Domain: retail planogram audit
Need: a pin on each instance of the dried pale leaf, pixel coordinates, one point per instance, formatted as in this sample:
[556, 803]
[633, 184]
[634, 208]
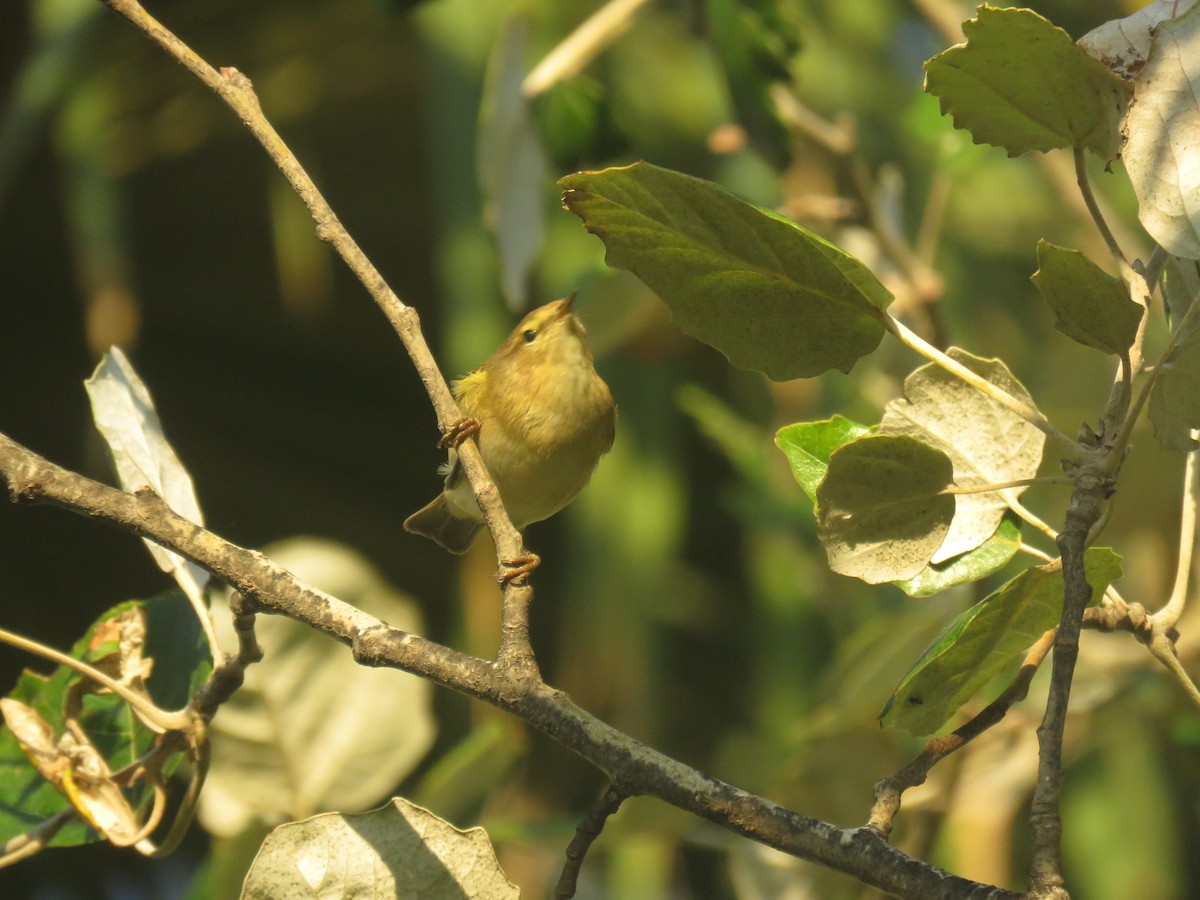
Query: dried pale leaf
[1162, 147]
[511, 163]
[987, 443]
[1124, 44]
[398, 852]
[312, 730]
[125, 415]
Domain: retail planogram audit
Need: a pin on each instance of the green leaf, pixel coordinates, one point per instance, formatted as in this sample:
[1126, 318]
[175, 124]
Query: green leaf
[1175, 397]
[990, 556]
[808, 446]
[182, 662]
[770, 295]
[980, 642]
[987, 443]
[1021, 83]
[881, 513]
[1090, 306]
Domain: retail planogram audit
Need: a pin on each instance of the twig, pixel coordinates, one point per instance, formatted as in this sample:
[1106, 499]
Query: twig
[581, 46]
[888, 791]
[1089, 200]
[35, 840]
[640, 770]
[1116, 453]
[156, 719]
[585, 835]
[1070, 448]
[236, 90]
[1086, 509]
[1168, 616]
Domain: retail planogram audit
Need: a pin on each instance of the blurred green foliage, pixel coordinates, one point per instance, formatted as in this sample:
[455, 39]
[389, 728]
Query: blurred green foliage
[683, 597]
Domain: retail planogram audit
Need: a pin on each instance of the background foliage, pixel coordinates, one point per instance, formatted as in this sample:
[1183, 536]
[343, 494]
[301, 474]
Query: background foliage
[683, 597]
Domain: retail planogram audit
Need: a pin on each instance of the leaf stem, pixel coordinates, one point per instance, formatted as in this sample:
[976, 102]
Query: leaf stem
[1116, 453]
[1093, 208]
[157, 719]
[581, 46]
[1006, 485]
[1070, 448]
[1169, 615]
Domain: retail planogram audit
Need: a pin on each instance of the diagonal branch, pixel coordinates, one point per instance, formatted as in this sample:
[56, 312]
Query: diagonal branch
[638, 769]
[238, 93]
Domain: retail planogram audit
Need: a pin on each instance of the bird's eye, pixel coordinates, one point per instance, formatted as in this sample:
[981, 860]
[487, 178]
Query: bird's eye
[529, 335]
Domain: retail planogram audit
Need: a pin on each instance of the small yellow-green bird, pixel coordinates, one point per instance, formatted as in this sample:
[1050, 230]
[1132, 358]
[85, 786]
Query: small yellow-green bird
[543, 418]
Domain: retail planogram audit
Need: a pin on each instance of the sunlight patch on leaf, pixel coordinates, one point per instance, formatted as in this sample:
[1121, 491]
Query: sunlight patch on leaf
[987, 443]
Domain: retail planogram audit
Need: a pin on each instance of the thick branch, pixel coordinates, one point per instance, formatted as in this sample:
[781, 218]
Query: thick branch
[633, 768]
[1086, 509]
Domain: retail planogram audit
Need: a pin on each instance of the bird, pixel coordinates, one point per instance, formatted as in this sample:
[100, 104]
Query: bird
[542, 418]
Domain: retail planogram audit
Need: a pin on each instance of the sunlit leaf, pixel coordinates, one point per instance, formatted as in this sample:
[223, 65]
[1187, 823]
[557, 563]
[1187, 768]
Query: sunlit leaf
[125, 415]
[808, 446]
[399, 850]
[1124, 44]
[987, 443]
[1090, 306]
[1020, 82]
[770, 295]
[980, 642]
[1162, 152]
[880, 511]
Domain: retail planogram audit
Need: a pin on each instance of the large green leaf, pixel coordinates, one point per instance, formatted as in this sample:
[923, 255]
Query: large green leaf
[988, 443]
[980, 642]
[1090, 306]
[770, 295]
[881, 513]
[808, 446]
[1021, 83]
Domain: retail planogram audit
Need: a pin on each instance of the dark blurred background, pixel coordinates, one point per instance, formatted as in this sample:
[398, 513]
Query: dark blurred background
[683, 597]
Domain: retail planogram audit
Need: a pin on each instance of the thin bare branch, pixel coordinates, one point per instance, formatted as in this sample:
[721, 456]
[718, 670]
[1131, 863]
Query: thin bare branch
[585, 835]
[581, 46]
[1169, 615]
[236, 90]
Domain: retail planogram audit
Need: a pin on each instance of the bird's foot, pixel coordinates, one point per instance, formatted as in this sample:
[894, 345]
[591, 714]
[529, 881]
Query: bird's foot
[458, 432]
[517, 571]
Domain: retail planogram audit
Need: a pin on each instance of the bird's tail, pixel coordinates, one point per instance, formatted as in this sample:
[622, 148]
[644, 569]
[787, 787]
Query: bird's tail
[436, 522]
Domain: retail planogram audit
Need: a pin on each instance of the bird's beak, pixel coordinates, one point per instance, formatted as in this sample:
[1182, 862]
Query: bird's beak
[569, 302]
